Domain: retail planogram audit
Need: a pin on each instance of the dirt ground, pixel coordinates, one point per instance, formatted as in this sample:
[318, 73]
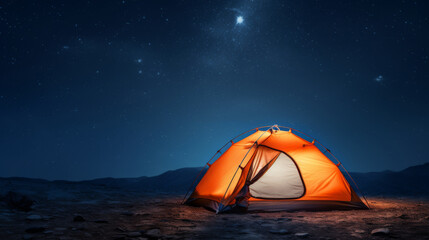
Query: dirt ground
[163, 217]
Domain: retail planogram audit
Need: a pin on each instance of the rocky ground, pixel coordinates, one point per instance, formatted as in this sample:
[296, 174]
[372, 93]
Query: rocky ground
[77, 213]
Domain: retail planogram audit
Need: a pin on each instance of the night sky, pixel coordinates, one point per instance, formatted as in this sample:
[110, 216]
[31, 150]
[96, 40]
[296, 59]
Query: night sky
[94, 89]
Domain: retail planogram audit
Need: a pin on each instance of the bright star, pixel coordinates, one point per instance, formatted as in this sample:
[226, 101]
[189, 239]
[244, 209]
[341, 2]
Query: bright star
[379, 78]
[240, 20]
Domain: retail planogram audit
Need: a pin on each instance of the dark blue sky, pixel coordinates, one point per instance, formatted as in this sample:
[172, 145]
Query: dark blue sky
[129, 88]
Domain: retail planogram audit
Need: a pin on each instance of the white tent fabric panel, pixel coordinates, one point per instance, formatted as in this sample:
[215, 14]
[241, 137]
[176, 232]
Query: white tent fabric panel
[282, 180]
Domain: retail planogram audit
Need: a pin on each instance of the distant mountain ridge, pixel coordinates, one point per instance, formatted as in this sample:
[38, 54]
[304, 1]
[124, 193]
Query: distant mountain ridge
[177, 181]
[411, 181]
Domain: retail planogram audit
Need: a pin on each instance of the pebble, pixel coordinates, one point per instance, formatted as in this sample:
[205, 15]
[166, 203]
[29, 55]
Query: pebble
[267, 225]
[34, 217]
[356, 235]
[280, 232]
[302, 235]
[359, 231]
[380, 231]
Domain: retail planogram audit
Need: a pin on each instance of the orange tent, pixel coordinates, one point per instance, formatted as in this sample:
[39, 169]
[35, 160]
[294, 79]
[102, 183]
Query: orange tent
[273, 170]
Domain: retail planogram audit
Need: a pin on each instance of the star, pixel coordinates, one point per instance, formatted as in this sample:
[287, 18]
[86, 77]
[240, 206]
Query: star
[379, 78]
[240, 20]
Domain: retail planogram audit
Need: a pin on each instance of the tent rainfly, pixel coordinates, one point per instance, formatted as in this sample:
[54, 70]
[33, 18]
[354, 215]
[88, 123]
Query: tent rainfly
[272, 170]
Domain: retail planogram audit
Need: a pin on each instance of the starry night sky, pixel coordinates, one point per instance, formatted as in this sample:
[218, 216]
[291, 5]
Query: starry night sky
[130, 88]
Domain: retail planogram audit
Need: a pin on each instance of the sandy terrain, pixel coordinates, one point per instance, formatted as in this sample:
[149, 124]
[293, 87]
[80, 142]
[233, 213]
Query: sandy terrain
[116, 215]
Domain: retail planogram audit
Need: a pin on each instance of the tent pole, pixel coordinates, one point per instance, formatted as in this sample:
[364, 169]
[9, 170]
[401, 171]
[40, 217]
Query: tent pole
[255, 143]
[218, 151]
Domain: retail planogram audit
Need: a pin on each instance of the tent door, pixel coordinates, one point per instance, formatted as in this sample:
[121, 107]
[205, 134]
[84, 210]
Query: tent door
[281, 181]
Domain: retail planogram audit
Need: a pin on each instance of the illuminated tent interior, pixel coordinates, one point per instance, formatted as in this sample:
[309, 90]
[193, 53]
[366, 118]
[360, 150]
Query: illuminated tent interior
[275, 169]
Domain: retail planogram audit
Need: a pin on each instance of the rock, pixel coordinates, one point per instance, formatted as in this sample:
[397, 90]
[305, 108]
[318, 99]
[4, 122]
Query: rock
[18, 201]
[380, 232]
[35, 230]
[359, 231]
[356, 235]
[154, 232]
[78, 218]
[267, 225]
[34, 217]
[302, 235]
[134, 234]
[280, 232]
